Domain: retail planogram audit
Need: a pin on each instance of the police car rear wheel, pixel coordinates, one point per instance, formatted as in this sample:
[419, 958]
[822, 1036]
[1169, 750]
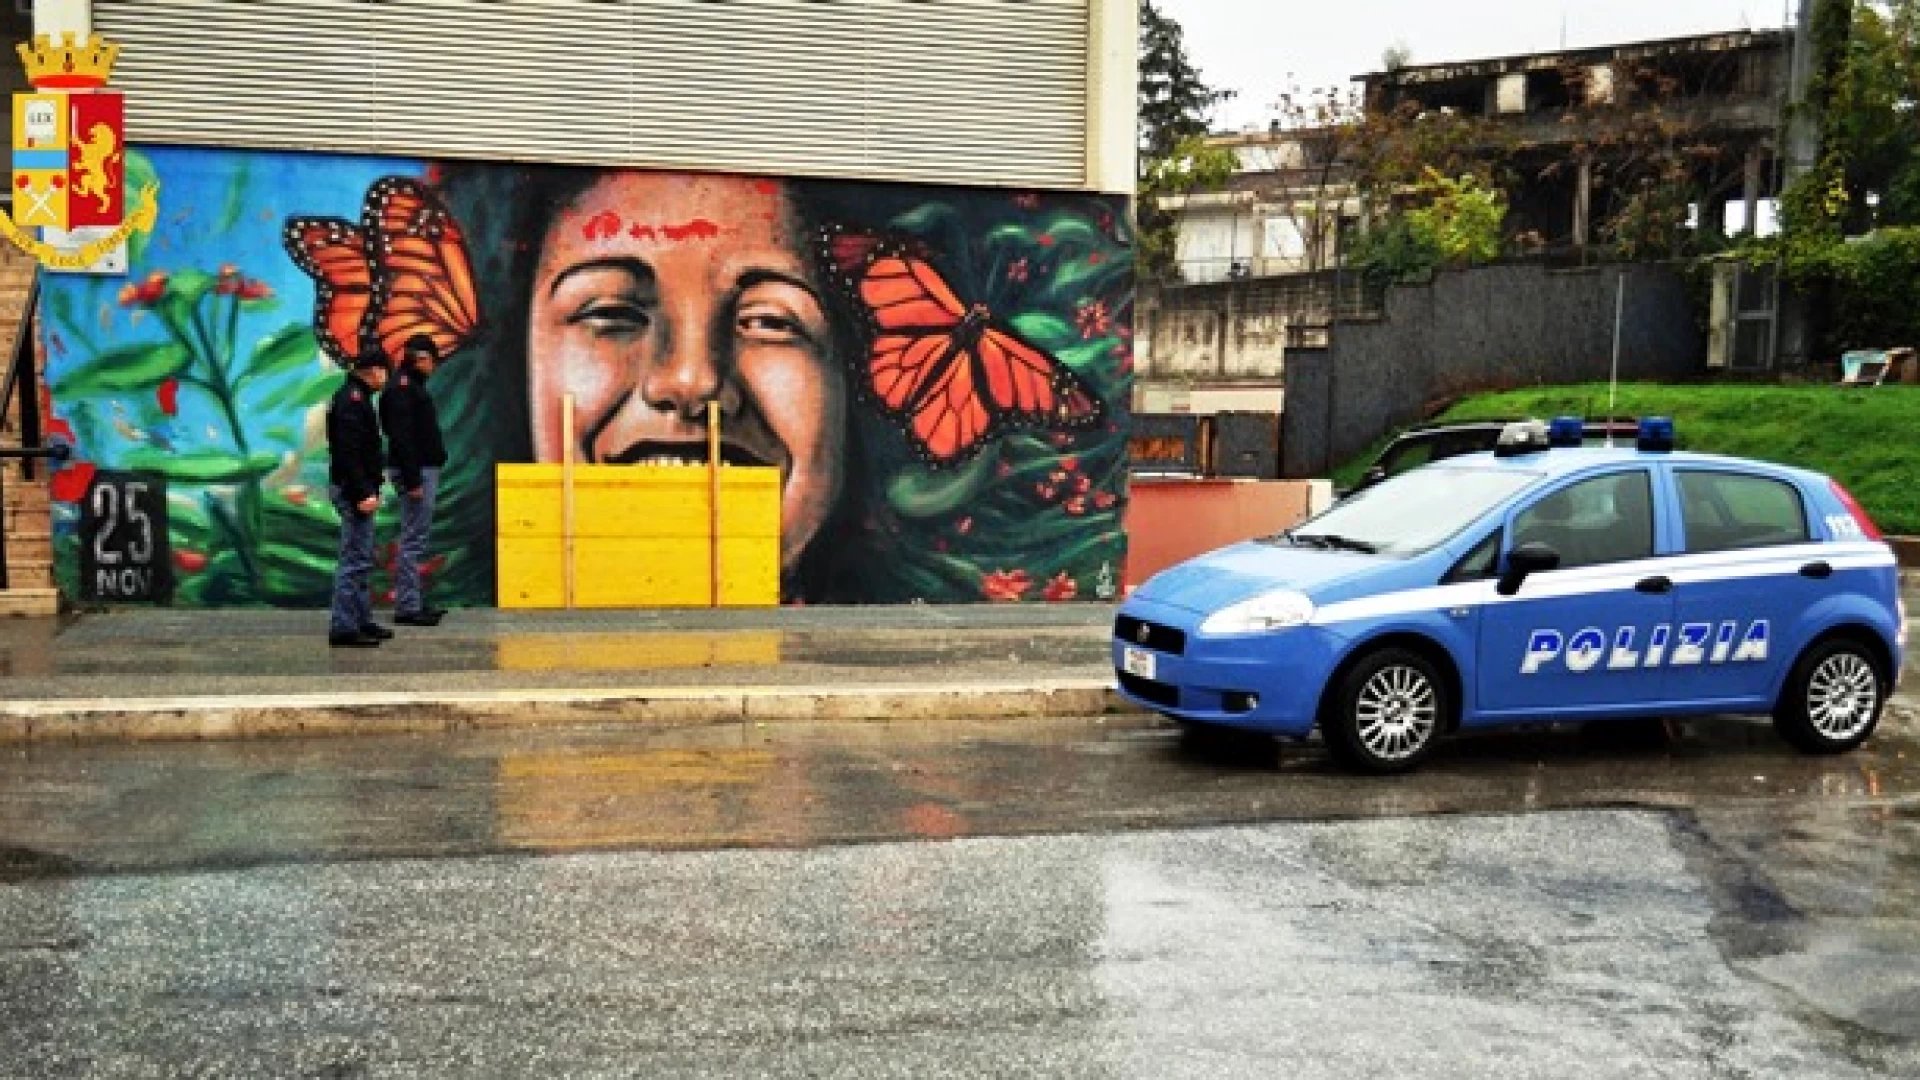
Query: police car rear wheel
[1387, 712]
[1833, 698]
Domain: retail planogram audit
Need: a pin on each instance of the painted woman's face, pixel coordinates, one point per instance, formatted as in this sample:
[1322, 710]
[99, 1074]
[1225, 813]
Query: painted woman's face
[655, 295]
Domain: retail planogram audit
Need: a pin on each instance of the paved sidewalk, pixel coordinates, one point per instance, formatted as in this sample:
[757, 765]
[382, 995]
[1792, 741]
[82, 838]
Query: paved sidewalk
[186, 674]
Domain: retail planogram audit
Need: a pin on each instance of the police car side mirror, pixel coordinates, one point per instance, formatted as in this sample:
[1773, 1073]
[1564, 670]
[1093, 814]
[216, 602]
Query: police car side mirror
[1532, 557]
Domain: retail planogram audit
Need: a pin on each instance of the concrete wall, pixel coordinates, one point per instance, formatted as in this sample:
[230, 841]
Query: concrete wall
[1493, 328]
[1171, 521]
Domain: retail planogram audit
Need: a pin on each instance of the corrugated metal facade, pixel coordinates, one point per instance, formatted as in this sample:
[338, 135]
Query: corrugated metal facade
[943, 91]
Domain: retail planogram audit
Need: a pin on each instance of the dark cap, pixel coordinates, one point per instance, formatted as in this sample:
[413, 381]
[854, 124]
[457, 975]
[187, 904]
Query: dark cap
[372, 358]
[422, 343]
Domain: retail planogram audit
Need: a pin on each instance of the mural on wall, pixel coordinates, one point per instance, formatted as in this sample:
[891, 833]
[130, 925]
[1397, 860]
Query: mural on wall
[942, 375]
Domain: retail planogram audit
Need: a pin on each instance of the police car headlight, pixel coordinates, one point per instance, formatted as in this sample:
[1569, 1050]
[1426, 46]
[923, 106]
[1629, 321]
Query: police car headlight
[1271, 611]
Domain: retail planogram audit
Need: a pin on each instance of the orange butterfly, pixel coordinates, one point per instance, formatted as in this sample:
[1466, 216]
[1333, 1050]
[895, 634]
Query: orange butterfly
[946, 369]
[403, 271]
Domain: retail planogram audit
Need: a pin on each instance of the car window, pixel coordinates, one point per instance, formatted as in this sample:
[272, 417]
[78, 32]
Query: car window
[1479, 564]
[1725, 511]
[1602, 520]
[1406, 456]
[1464, 442]
[1413, 512]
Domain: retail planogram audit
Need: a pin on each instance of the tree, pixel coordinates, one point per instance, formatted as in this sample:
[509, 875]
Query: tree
[1850, 237]
[1175, 159]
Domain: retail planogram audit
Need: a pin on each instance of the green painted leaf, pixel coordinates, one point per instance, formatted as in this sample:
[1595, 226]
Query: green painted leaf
[1082, 277]
[187, 514]
[261, 306]
[126, 367]
[319, 385]
[1088, 358]
[201, 466]
[920, 493]
[286, 349]
[1002, 235]
[188, 286]
[925, 218]
[1050, 332]
[1069, 229]
[140, 176]
[238, 200]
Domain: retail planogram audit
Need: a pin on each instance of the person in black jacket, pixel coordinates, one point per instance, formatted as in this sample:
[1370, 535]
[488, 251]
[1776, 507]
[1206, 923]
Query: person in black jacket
[412, 424]
[353, 437]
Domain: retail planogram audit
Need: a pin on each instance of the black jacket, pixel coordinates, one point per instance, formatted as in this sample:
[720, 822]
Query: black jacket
[353, 435]
[412, 424]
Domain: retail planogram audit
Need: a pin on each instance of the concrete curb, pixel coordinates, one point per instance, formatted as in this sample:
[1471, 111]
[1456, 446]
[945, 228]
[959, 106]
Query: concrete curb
[268, 716]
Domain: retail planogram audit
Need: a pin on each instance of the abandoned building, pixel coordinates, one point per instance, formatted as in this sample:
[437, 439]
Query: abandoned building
[1723, 95]
[1261, 262]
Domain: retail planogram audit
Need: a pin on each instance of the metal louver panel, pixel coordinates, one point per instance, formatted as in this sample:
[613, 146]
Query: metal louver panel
[943, 91]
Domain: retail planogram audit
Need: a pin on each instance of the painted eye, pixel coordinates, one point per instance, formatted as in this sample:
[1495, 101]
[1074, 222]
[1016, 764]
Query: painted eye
[612, 318]
[769, 327]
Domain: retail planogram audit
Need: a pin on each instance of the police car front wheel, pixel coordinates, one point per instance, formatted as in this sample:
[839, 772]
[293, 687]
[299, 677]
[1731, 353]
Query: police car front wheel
[1833, 698]
[1386, 712]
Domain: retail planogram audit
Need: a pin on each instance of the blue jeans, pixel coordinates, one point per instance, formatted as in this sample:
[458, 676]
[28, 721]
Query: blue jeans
[352, 603]
[416, 523]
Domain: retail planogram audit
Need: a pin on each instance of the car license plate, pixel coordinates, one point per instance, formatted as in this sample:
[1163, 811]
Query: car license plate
[1137, 662]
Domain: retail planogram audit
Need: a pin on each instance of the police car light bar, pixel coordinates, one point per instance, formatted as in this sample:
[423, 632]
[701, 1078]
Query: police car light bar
[1521, 437]
[1656, 435]
[1566, 431]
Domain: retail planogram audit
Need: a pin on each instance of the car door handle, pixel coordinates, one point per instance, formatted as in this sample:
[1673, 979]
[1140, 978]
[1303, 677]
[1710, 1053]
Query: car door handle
[1655, 585]
[1819, 571]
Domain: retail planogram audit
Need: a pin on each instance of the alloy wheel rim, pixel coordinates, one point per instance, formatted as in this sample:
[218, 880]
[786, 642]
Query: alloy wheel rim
[1842, 696]
[1397, 711]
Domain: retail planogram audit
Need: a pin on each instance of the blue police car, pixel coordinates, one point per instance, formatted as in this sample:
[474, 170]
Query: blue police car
[1539, 582]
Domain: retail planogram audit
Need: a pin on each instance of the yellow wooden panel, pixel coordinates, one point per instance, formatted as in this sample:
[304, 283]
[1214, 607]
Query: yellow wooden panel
[637, 650]
[641, 536]
[638, 573]
[638, 500]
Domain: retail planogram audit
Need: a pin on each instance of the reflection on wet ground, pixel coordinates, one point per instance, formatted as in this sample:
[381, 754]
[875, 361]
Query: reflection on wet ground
[166, 806]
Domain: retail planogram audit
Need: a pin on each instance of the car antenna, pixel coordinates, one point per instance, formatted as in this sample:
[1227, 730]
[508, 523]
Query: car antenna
[1613, 375]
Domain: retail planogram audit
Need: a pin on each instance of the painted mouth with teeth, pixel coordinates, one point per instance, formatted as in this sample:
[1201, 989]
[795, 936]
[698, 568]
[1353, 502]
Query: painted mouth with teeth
[684, 453]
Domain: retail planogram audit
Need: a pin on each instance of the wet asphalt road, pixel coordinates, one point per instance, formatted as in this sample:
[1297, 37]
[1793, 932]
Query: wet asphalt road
[1062, 898]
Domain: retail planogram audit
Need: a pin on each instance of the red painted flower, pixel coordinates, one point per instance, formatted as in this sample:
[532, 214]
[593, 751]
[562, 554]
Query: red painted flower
[1060, 587]
[1082, 483]
[1005, 586]
[1045, 491]
[254, 290]
[1071, 464]
[189, 562]
[1046, 240]
[1104, 500]
[1093, 319]
[228, 282]
[71, 483]
[1020, 270]
[963, 526]
[146, 293]
[1076, 506]
[168, 395]
[295, 494]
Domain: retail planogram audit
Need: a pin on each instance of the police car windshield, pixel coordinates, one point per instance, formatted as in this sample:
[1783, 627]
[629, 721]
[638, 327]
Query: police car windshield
[1410, 513]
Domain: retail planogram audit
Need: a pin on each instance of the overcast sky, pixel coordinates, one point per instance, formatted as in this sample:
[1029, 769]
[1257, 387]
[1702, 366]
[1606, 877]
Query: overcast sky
[1258, 46]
